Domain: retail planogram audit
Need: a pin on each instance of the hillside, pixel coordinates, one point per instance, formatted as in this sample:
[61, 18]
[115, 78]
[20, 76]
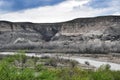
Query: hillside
[81, 35]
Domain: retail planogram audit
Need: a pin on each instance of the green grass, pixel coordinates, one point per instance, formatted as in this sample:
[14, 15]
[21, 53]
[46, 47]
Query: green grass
[8, 71]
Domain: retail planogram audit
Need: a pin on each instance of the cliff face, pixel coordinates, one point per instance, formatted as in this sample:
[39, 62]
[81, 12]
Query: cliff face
[84, 35]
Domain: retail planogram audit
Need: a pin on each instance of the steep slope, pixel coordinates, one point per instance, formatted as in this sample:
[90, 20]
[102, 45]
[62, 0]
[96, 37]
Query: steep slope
[83, 35]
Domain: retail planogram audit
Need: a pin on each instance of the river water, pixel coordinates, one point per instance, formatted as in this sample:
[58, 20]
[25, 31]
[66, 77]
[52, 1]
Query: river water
[81, 60]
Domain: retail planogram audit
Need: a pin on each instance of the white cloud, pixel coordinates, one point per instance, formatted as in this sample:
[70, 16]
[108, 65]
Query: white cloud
[64, 11]
[117, 13]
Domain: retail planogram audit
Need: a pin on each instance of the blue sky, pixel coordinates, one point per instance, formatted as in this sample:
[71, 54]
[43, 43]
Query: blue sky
[99, 3]
[16, 5]
[56, 10]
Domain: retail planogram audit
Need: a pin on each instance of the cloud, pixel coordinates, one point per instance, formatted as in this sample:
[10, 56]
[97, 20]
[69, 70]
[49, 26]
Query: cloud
[16, 5]
[63, 11]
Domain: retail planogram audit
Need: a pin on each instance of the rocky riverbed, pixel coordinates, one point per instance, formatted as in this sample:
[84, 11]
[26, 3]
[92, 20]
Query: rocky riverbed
[112, 57]
[87, 61]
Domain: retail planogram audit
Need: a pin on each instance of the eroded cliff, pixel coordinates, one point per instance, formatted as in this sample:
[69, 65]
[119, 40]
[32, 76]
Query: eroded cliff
[82, 35]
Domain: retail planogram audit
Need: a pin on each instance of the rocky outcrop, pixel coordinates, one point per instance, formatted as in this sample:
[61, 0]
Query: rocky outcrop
[82, 35]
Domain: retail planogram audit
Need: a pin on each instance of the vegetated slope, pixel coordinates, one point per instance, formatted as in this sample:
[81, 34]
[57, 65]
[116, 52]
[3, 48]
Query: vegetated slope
[84, 35]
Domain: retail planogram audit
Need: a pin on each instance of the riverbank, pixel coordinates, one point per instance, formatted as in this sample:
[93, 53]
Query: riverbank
[21, 67]
[94, 60]
[112, 57]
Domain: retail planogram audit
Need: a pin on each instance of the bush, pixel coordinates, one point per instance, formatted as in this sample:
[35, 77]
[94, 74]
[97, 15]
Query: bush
[8, 71]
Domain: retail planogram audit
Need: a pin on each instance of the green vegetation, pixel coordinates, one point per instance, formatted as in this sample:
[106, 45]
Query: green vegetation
[20, 67]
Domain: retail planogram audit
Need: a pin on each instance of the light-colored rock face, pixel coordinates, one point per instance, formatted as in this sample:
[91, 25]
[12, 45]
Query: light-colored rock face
[5, 26]
[79, 35]
[85, 29]
[97, 27]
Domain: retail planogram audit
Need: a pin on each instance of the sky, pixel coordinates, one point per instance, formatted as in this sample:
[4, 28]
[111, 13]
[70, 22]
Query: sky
[49, 11]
